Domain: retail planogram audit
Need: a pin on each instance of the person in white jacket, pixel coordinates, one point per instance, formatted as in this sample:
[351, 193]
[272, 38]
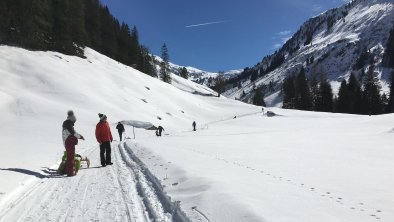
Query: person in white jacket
[70, 140]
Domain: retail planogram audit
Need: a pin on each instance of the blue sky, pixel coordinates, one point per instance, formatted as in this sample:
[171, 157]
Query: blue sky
[215, 35]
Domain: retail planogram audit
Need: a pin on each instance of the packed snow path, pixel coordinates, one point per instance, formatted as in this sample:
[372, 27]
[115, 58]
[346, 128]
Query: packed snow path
[120, 192]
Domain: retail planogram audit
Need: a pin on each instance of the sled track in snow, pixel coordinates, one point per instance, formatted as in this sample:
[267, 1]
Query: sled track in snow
[157, 203]
[125, 191]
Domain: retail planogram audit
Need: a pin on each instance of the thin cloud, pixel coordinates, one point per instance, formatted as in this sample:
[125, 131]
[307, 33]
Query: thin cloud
[283, 33]
[317, 8]
[208, 23]
[277, 46]
[281, 36]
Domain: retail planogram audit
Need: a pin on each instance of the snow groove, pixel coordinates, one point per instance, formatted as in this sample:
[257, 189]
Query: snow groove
[159, 205]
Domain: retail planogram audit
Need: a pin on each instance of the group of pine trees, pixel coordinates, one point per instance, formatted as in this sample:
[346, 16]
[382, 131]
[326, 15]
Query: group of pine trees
[68, 26]
[353, 97]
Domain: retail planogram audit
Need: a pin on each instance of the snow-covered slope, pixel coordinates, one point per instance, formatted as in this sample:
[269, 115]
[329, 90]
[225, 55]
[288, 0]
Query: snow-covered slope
[239, 165]
[330, 44]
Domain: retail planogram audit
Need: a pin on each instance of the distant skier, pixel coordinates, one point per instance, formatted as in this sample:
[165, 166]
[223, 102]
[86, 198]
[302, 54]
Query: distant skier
[120, 129]
[104, 138]
[70, 140]
[159, 130]
[262, 110]
[194, 125]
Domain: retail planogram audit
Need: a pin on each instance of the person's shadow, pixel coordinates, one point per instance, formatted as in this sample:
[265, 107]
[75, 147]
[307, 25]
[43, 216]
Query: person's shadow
[51, 172]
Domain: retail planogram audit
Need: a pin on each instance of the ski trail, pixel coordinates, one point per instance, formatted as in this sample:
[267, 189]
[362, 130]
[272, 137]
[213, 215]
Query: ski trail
[95, 194]
[201, 213]
[159, 205]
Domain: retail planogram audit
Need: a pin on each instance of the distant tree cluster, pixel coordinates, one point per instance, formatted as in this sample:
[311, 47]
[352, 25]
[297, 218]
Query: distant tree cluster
[258, 98]
[68, 26]
[220, 83]
[353, 97]
[389, 53]
[183, 73]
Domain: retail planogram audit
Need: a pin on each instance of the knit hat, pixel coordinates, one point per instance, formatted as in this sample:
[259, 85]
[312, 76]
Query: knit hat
[71, 116]
[102, 116]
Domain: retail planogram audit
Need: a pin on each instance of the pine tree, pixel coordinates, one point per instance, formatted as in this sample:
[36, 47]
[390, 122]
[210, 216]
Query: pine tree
[389, 53]
[123, 41]
[76, 19]
[258, 98]
[5, 22]
[109, 46]
[148, 64]
[135, 52]
[184, 73]
[288, 91]
[325, 98]
[371, 94]
[343, 100]
[164, 65]
[385, 102]
[93, 24]
[314, 88]
[302, 92]
[62, 40]
[391, 95]
[39, 32]
[355, 95]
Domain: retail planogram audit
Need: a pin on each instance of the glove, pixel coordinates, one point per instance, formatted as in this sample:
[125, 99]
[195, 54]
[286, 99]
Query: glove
[82, 138]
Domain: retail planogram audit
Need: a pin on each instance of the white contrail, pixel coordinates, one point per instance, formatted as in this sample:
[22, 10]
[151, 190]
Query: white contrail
[207, 23]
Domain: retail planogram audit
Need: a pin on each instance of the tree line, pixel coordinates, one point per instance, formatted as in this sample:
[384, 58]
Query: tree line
[68, 26]
[354, 97]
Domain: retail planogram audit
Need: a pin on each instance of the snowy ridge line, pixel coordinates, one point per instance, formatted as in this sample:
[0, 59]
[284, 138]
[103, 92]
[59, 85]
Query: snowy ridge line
[151, 189]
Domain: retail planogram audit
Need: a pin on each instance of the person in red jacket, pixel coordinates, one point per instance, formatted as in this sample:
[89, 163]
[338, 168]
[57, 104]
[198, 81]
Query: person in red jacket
[104, 138]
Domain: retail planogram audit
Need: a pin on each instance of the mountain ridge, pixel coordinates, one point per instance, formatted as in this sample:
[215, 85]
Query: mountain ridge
[329, 43]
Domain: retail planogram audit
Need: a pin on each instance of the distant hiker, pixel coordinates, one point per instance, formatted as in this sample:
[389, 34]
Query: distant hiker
[235, 117]
[70, 140]
[159, 130]
[120, 129]
[104, 138]
[194, 125]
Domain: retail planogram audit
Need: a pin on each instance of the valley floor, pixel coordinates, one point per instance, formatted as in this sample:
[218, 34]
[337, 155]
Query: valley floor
[296, 166]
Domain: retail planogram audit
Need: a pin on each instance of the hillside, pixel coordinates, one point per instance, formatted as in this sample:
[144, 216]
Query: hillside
[330, 44]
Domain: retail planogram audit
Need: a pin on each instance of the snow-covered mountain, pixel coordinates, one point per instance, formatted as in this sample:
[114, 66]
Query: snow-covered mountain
[240, 164]
[197, 75]
[330, 43]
